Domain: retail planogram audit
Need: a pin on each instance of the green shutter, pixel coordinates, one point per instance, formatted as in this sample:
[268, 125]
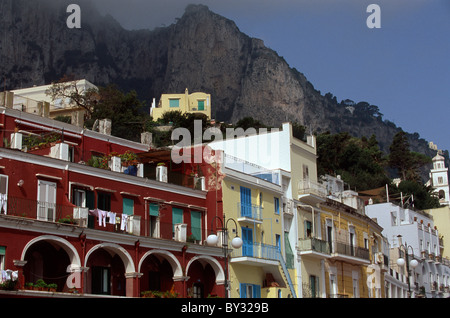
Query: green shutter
[201, 105]
[154, 209]
[90, 200]
[177, 217]
[128, 206]
[2, 250]
[196, 225]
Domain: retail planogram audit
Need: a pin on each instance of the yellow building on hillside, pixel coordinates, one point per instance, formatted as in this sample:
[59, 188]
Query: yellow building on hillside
[186, 103]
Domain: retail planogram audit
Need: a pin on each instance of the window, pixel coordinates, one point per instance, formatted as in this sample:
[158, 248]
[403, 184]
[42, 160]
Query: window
[2, 257]
[3, 194]
[174, 103]
[101, 280]
[308, 229]
[250, 291]
[128, 206]
[333, 286]
[440, 180]
[276, 202]
[79, 198]
[355, 288]
[104, 201]
[46, 200]
[394, 218]
[305, 172]
[278, 241]
[313, 285]
[154, 219]
[201, 105]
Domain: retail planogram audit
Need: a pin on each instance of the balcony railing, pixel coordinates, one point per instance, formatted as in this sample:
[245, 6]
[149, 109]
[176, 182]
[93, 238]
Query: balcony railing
[257, 250]
[40, 210]
[250, 211]
[314, 245]
[307, 186]
[349, 250]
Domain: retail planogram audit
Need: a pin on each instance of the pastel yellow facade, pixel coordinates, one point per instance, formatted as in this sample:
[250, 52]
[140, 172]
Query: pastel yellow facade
[441, 216]
[254, 269]
[358, 252]
[197, 102]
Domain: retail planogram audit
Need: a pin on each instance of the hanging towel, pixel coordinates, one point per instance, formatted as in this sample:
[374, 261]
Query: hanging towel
[112, 217]
[101, 217]
[124, 224]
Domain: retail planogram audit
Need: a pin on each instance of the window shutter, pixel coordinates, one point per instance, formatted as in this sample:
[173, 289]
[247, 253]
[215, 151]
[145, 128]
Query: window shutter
[154, 209]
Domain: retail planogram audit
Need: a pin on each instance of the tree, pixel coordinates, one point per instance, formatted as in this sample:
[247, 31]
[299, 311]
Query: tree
[359, 161]
[406, 162]
[67, 90]
[415, 193]
[125, 110]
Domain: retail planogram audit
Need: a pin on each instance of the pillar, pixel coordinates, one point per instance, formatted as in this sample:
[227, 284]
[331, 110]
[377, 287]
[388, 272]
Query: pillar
[21, 279]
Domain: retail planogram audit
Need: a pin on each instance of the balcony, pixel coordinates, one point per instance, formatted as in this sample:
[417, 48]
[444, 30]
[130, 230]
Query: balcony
[314, 247]
[249, 213]
[311, 192]
[346, 252]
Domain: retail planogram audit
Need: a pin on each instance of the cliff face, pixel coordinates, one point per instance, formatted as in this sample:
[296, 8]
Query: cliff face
[203, 51]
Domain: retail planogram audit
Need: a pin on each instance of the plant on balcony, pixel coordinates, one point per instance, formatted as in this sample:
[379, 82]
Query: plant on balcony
[129, 158]
[67, 220]
[28, 286]
[52, 287]
[8, 285]
[40, 285]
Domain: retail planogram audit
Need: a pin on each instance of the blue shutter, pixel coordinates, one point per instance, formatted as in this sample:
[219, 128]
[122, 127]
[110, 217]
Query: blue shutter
[242, 290]
[247, 238]
[256, 291]
[246, 202]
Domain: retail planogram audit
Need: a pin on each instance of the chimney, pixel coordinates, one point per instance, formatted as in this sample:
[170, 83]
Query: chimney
[77, 118]
[104, 126]
[147, 139]
[7, 99]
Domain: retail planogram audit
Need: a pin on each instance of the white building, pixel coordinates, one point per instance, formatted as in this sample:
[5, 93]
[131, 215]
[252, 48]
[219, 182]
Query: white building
[416, 229]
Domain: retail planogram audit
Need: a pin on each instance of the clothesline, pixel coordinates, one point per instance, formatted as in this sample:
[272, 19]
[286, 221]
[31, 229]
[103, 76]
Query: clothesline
[113, 218]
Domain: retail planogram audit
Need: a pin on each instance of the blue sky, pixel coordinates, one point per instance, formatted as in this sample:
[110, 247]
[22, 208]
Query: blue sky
[403, 67]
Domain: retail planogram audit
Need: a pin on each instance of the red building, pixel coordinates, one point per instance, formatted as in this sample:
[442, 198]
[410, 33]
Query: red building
[114, 231]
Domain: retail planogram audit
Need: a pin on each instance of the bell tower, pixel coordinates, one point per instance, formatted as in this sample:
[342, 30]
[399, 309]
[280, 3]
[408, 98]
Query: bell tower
[439, 179]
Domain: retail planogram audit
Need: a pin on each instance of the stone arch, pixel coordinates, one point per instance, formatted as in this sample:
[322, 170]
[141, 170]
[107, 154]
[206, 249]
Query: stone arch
[205, 259]
[173, 261]
[63, 243]
[116, 249]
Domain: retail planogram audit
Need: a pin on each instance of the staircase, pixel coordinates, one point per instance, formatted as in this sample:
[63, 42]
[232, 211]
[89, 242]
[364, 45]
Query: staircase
[286, 275]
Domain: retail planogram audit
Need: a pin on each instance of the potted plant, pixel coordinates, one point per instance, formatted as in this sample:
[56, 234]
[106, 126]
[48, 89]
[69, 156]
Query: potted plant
[28, 286]
[52, 287]
[40, 285]
[129, 158]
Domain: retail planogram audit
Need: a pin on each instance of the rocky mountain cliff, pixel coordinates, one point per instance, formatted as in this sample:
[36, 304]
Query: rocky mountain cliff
[202, 51]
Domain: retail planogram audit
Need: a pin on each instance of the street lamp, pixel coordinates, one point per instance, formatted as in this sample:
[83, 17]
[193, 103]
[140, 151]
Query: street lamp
[401, 262]
[236, 243]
